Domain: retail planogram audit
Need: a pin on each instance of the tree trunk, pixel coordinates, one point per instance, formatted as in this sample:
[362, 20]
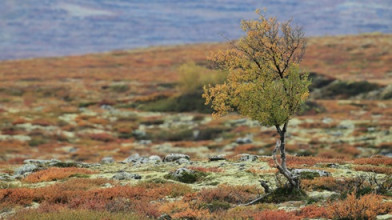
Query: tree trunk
[280, 144]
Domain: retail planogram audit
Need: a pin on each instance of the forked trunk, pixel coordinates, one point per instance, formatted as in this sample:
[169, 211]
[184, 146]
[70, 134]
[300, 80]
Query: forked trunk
[280, 145]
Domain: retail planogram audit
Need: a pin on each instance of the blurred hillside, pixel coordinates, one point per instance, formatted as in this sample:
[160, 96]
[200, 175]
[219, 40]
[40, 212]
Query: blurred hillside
[37, 28]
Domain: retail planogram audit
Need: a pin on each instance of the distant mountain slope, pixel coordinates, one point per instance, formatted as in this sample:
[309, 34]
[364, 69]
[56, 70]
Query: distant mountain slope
[37, 28]
[354, 57]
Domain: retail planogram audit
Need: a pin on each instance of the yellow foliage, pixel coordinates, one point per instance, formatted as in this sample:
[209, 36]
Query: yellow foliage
[264, 80]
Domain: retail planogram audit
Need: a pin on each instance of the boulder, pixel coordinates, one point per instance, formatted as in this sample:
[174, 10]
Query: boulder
[248, 157]
[126, 176]
[154, 159]
[244, 140]
[26, 169]
[107, 160]
[175, 157]
[217, 158]
[310, 174]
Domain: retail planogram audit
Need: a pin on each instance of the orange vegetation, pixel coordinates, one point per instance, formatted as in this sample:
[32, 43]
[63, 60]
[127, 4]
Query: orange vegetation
[55, 173]
[366, 207]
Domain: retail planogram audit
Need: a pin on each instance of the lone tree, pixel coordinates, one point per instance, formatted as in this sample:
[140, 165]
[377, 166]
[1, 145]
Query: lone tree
[264, 81]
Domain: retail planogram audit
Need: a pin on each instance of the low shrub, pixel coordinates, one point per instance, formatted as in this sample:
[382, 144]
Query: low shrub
[275, 215]
[226, 193]
[365, 207]
[283, 194]
[55, 173]
[80, 214]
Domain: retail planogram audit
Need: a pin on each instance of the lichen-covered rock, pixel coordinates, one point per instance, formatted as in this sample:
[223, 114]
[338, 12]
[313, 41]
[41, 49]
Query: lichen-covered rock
[217, 158]
[165, 217]
[185, 175]
[42, 162]
[137, 159]
[154, 159]
[132, 159]
[183, 161]
[310, 174]
[26, 169]
[107, 160]
[175, 157]
[245, 140]
[248, 157]
[126, 176]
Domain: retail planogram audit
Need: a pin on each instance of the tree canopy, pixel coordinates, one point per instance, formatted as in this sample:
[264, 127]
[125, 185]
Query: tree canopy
[264, 81]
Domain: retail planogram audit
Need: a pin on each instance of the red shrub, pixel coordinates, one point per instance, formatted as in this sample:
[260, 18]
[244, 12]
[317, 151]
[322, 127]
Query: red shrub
[275, 215]
[226, 193]
[17, 196]
[55, 173]
[379, 160]
[312, 211]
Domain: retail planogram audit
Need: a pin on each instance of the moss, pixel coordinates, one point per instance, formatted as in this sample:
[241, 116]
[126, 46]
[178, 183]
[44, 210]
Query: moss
[216, 206]
[342, 89]
[284, 194]
[36, 141]
[308, 175]
[187, 177]
[65, 164]
[192, 102]
[86, 104]
[119, 88]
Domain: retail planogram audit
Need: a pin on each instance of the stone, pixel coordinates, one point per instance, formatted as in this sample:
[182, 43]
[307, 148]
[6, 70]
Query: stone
[154, 159]
[248, 157]
[183, 161]
[126, 176]
[26, 169]
[165, 217]
[107, 185]
[175, 157]
[217, 158]
[245, 140]
[145, 142]
[107, 160]
[132, 159]
[320, 173]
[42, 162]
[139, 133]
[180, 172]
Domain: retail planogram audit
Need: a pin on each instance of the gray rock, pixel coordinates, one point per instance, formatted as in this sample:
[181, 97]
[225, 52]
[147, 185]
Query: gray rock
[126, 176]
[165, 217]
[327, 120]
[107, 160]
[137, 159]
[319, 172]
[181, 171]
[107, 185]
[245, 140]
[42, 162]
[26, 169]
[175, 157]
[132, 159]
[145, 142]
[248, 157]
[5, 177]
[154, 159]
[183, 161]
[139, 133]
[346, 124]
[217, 158]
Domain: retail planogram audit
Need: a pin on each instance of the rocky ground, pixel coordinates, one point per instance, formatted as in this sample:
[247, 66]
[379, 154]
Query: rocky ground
[113, 136]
